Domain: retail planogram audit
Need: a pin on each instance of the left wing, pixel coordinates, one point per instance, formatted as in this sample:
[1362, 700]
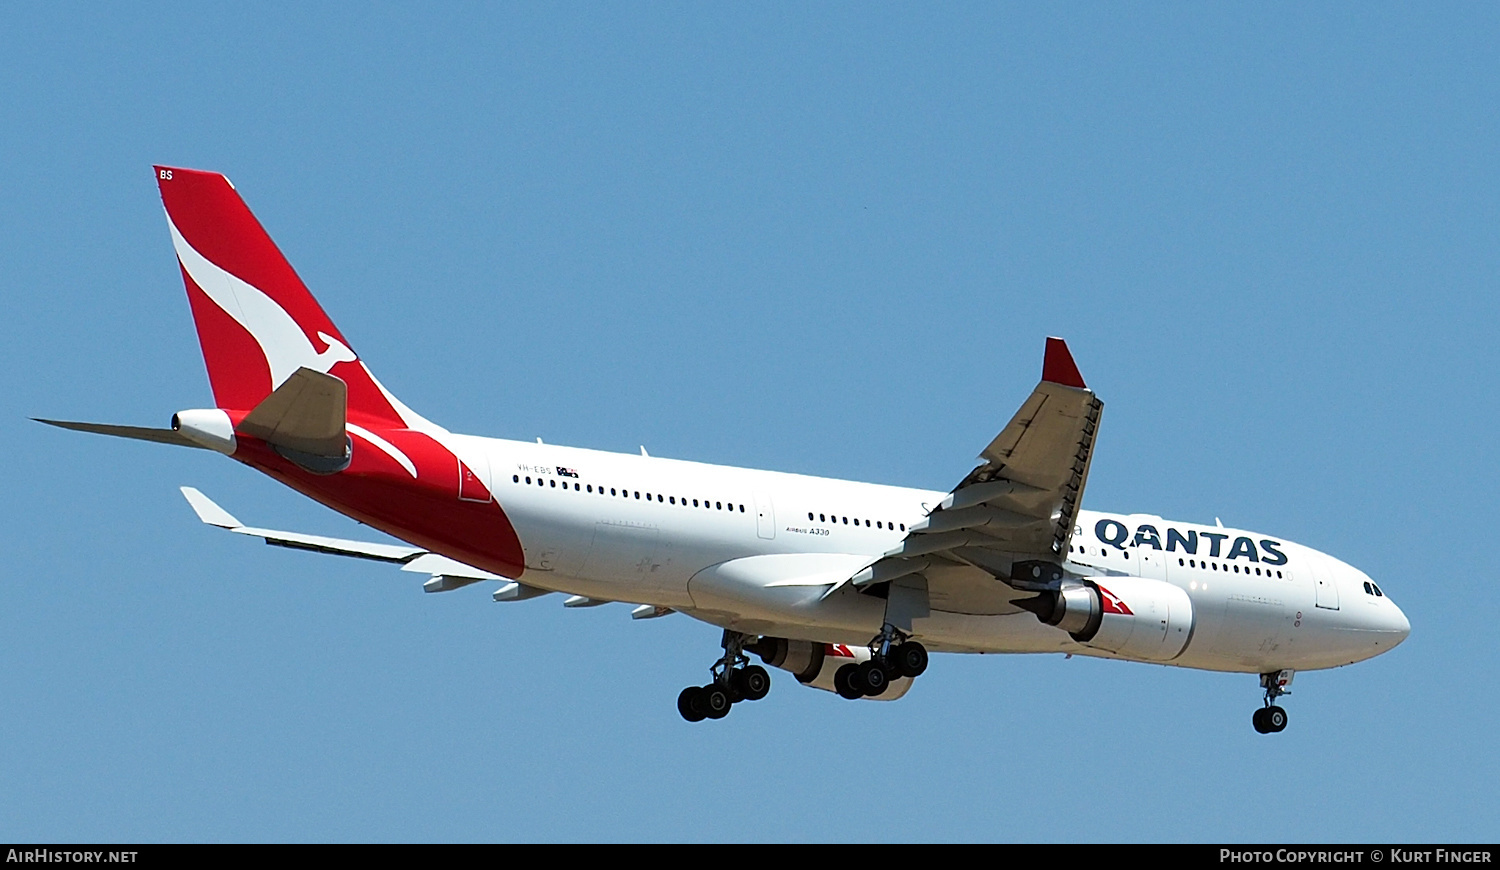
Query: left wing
[444, 573]
[1006, 526]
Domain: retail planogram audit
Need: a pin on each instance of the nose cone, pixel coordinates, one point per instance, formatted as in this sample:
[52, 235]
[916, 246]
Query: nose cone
[1399, 623]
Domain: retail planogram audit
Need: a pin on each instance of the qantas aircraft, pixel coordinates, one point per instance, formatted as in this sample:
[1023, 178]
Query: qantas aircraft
[845, 585]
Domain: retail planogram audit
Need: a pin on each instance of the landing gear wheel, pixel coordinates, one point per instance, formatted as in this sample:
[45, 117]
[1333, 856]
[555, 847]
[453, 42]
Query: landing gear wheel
[715, 702]
[1275, 719]
[843, 683]
[686, 707]
[1259, 719]
[910, 659]
[754, 682]
[870, 679]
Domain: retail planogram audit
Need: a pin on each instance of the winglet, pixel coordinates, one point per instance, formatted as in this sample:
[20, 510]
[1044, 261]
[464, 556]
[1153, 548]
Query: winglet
[1058, 366]
[208, 511]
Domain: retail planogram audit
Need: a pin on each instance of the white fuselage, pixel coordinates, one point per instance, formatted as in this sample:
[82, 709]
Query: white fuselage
[621, 527]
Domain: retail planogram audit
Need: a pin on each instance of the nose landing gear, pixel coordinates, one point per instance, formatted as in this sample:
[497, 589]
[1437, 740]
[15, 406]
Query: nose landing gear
[734, 680]
[1271, 719]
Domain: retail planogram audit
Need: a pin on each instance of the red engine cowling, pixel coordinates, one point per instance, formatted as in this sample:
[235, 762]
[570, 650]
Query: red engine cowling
[1129, 616]
[814, 664]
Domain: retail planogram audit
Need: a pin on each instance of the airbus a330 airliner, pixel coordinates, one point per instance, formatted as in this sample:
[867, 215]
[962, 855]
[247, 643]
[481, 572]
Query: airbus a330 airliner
[845, 585]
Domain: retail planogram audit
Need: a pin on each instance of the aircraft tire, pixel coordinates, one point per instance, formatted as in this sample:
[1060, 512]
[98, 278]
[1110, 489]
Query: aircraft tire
[686, 707]
[1275, 719]
[843, 682]
[755, 682]
[716, 702]
[870, 679]
[910, 659]
[1260, 721]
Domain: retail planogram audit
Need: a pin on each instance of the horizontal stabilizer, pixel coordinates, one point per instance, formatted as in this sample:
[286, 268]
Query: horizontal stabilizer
[305, 414]
[139, 433]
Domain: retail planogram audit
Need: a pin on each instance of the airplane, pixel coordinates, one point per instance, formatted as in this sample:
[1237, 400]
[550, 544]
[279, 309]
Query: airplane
[845, 585]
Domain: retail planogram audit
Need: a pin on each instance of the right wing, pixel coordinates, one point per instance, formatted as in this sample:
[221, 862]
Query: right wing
[1006, 526]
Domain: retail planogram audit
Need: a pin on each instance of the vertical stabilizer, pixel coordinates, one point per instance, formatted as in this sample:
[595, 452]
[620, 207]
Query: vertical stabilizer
[257, 323]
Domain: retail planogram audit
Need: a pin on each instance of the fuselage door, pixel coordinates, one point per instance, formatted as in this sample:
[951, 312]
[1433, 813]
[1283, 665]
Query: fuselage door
[765, 516]
[474, 477]
[1328, 592]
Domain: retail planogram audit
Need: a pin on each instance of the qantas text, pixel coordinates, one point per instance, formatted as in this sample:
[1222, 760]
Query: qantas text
[1117, 534]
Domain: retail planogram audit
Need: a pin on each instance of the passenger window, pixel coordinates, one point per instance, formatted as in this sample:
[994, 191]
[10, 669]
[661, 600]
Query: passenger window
[718, 505]
[515, 478]
[528, 480]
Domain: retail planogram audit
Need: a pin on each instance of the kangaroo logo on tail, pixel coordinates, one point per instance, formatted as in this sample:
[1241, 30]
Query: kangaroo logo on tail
[286, 347]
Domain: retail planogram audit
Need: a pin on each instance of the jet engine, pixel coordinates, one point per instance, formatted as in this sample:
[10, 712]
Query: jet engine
[1131, 617]
[814, 664]
[209, 428]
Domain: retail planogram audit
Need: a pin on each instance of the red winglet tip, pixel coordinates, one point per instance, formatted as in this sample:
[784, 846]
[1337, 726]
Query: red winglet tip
[1058, 366]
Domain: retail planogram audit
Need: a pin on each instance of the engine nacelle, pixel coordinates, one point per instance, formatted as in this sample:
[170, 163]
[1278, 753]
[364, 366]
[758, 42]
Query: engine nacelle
[814, 664]
[1129, 616]
[209, 428]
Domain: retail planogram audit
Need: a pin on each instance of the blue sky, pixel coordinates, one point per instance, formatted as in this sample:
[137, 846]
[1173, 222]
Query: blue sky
[827, 241]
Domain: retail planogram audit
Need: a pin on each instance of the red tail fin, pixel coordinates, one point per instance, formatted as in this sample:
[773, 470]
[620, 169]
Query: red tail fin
[257, 322]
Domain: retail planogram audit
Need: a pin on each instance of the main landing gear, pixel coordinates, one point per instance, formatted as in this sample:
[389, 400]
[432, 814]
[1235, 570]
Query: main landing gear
[1271, 719]
[734, 680]
[892, 655]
